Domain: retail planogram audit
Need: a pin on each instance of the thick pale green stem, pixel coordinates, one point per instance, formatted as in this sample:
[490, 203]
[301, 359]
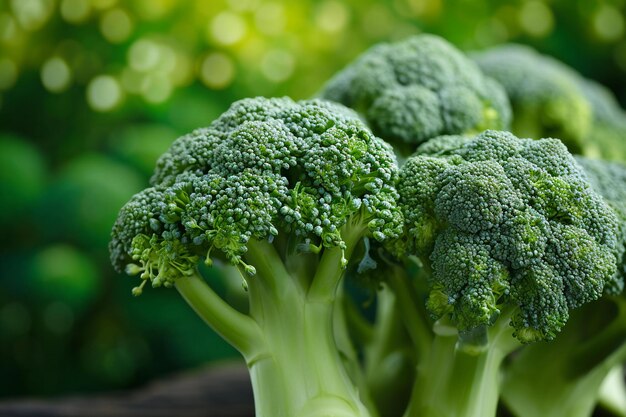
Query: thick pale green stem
[454, 382]
[330, 269]
[563, 377]
[300, 372]
[389, 358]
[297, 370]
[236, 328]
[414, 317]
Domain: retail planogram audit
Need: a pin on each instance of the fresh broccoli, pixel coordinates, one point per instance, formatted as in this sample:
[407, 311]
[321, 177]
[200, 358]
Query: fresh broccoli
[417, 89]
[544, 93]
[285, 191]
[515, 238]
[607, 137]
[564, 377]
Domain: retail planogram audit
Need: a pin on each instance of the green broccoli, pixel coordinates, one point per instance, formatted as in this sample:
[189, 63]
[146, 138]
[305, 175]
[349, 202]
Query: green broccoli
[607, 137]
[544, 93]
[284, 191]
[419, 88]
[514, 238]
[563, 377]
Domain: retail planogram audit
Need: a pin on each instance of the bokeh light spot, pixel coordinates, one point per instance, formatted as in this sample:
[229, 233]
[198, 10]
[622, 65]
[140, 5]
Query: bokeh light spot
[227, 28]
[536, 18]
[156, 88]
[377, 21]
[8, 73]
[56, 75]
[103, 93]
[608, 23]
[143, 55]
[277, 65]
[270, 19]
[132, 80]
[8, 28]
[243, 5]
[332, 16]
[75, 11]
[217, 71]
[32, 14]
[102, 4]
[116, 25]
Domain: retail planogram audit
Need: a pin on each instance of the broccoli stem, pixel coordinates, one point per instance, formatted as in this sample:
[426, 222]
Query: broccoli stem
[236, 328]
[298, 372]
[413, 311]
[389, 358]
[455, 382]
[564, 376]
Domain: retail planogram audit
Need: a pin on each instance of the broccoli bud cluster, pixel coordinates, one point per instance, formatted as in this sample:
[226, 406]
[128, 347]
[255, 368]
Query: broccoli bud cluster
[264, 167]
[507, 222]
[420, 88]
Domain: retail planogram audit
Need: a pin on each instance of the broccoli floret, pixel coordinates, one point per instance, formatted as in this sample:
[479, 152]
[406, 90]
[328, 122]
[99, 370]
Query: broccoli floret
[563, 377]
[514, 238]
[417, 89]
[284, 191]
[515, 218]
[544, 94]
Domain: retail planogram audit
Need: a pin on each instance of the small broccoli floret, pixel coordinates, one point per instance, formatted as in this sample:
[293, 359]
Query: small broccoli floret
[420, 88]
[507, 223]
[284, 191]
[544, 94]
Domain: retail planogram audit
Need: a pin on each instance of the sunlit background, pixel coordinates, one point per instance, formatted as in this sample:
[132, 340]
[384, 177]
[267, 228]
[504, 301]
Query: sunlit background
[92, 91]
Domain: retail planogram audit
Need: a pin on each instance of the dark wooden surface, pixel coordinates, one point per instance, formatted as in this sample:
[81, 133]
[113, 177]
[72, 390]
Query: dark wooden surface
[221, 391]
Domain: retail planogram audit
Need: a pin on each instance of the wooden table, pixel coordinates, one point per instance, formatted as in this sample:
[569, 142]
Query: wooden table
[220, 391]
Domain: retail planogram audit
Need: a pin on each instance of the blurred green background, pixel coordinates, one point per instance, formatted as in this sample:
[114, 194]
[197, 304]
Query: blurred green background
[92, 91]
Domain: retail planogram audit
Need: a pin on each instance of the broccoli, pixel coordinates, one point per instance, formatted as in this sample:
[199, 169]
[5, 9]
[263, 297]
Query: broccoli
[419, 88]
[607, 137]
[514, 239]
[544, 93]
[564, 377]
[284, 191]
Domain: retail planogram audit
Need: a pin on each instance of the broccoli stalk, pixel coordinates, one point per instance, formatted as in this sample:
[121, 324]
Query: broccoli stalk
[284, 191]
[456, 380]
[287, 340]
[513, 238]
[563, 377]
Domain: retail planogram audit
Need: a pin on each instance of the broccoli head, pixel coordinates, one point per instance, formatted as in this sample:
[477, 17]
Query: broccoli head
[284, 191]
[420, 88]
[507, 223]
[544, 94]
[266, 166]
